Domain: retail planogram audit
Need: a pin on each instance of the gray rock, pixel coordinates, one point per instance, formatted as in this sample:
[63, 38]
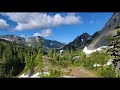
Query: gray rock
[107, 30]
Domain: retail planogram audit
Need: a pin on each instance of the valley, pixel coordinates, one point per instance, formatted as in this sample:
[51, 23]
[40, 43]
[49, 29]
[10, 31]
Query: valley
[87, 56]
[66, 72]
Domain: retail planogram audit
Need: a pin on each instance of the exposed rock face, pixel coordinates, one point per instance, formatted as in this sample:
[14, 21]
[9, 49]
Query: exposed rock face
[13, 38]
[79, 42]
[107, 30]
[32, 41]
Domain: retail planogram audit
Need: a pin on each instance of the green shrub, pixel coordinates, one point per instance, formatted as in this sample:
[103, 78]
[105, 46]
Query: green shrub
[108, 72]
[96, 57]
[54, 73]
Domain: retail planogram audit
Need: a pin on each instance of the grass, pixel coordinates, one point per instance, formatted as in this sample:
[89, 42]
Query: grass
[80, 68]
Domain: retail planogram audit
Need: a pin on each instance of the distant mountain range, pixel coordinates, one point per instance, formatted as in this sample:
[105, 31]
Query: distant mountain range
[33, 41]
[79, 42]
[98, 39]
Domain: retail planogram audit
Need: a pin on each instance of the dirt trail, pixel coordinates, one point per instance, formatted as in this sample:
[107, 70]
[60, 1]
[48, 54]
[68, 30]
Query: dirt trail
[46, 64]
[79, 72]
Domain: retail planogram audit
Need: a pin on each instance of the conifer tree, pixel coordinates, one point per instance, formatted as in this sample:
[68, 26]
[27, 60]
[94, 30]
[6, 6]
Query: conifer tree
[2, 70]
[3, 58]
[39, 56]
[54, 54]
[11, 72]
[115, 52]
[50, 53]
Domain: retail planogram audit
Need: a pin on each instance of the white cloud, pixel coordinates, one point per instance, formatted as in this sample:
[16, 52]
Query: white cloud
[3, 24]
[36, 34]
[41, 20]
[23, 35]
[45, 33]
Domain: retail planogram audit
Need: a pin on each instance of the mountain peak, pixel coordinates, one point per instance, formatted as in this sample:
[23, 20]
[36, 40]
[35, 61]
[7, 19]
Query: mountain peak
[85, 36]
[85, 33]
[78, 42]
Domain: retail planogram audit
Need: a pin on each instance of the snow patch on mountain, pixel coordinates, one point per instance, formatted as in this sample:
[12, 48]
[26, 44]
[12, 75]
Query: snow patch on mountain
[27, 40]
[61, 51]
[24, 76]
[7, 39]
[51, 44]
[107, 64]
[87, 51]
[76, 57]
[82, 40]
[68, 76]
[37, 39]
[96, 65]
[35, 75]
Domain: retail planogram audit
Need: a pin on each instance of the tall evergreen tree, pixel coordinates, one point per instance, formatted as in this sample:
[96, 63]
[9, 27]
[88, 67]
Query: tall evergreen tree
[115, 52]
[11, 72]
[2, 70]
[39, 56]
[54, 54]
[50, 53]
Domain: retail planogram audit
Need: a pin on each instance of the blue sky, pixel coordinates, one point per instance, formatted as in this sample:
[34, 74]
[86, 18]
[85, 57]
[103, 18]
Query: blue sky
[63, 27]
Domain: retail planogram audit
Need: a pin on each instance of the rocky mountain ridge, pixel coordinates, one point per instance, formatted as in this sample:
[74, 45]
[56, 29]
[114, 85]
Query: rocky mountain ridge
[32, 41]
[109, 29]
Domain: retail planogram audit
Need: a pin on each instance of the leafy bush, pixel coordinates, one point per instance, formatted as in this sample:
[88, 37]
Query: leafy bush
[108, 72]
[54, 73]
[96, 57]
